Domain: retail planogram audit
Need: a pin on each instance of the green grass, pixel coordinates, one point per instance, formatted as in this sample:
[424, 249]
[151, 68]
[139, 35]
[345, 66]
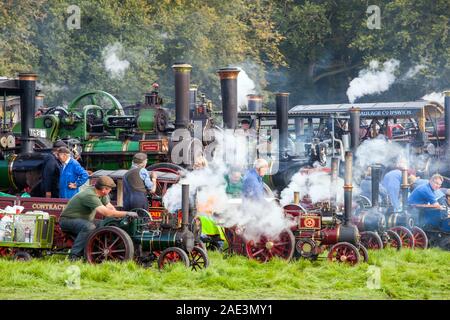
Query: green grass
[404, 275]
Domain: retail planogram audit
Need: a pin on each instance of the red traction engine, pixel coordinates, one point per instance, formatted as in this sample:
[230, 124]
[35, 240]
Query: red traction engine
[320, 228]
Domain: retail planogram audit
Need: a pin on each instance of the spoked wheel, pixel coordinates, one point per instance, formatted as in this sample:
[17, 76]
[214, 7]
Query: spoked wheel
[109, 243]
[6, 252]
[265, 248]
[172, 255]
[164, 182]
[198, 259]
[22, 256]
[371, 240]
[406, 236]
[344, 252]
[363, 253]
[393, 240]
[420, 238]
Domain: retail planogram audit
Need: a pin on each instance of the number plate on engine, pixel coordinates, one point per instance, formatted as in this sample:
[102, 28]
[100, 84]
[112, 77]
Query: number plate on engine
[37, 133]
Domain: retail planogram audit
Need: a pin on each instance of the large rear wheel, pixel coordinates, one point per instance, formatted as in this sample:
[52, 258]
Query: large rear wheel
[109, 244]
[420, 238]
[371, 240]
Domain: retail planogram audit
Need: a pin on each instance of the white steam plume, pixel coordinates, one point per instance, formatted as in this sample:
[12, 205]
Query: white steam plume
[372, 80]
[316, 185]
[255, 219]
[245, 86]
[435, 96]
[113, 64]
[413, 71]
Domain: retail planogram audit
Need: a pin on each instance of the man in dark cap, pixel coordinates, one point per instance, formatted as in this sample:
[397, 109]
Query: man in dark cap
[51, 171]
[78, 216]
[137, 183]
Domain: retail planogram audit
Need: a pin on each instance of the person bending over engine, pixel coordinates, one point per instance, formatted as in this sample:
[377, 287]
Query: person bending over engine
[78, 216]
[137, 183]
[252, 184]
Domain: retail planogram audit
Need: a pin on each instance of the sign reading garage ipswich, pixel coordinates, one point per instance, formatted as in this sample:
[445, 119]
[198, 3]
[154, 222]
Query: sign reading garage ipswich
[388, 113]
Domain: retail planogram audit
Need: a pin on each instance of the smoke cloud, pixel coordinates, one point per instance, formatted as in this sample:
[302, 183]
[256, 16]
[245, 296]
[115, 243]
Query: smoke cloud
[316, 185]
[113, 64]
[434, 96]
[245, 86]
[208, 188]
[373, 80]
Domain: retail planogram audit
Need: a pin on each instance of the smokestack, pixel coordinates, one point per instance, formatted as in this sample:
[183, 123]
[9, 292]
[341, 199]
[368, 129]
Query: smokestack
[296, 197]
[299, 127]
[334, 176]
[185, 206]
[39, 103]
[282, 107]
[348, 188]
[310, 128]
[447, 121]
[193, 97]
[228, 86]
[405, 187]
[355, 115]
[182, 79]
[27, 83]
[376, 176]
[254, 102]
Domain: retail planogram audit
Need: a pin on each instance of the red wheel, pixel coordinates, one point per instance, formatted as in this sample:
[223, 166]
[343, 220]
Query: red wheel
[168, 174]
[406, 236]
[420, 238]
[109, 243]
[6, 252]
[371, 240]
[344, 252]
[198, 259]
[363, 253]
[392, 240]
[172, 255]
[267, 247]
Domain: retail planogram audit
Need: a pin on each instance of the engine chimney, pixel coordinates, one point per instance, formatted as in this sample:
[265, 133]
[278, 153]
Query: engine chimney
[27, 82]
[193, 97]
[182, 79]
[376, 176]
[185, 206]
[254, 102]
[299, 127]
[334, 176]
[296, 197]
[348, 188]
[355, 115]
[282, 107]
[405, 187]
[228, 85]
[39, 103]
[447, 121]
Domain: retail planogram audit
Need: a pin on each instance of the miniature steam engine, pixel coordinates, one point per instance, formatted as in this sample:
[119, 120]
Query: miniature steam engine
[319, 228]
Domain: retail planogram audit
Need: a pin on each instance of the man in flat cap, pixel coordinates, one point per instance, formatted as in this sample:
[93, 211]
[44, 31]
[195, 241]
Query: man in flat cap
[137, 183]
[78, 216]
[51, 171]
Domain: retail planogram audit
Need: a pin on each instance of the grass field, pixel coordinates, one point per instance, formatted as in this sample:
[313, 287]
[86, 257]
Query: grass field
[404, 275]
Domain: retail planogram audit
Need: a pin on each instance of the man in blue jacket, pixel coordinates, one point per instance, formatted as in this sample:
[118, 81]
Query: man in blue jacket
[252, 184]
[72, 175]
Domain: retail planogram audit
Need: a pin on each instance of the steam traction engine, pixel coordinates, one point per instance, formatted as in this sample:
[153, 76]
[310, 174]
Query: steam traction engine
[380, 227]
[319, 228]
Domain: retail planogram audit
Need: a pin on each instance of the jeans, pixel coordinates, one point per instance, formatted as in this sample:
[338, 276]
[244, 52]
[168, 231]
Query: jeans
[81, 228]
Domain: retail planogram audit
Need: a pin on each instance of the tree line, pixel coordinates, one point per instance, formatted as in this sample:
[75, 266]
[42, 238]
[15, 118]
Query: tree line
[312, 49]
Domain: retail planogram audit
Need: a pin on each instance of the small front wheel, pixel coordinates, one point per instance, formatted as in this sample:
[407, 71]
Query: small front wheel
[172, 255]
[22, 256]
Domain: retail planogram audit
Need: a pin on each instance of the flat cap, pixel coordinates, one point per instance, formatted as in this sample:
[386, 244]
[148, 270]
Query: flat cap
[105, 181]
[59, 144]
[139, 157]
